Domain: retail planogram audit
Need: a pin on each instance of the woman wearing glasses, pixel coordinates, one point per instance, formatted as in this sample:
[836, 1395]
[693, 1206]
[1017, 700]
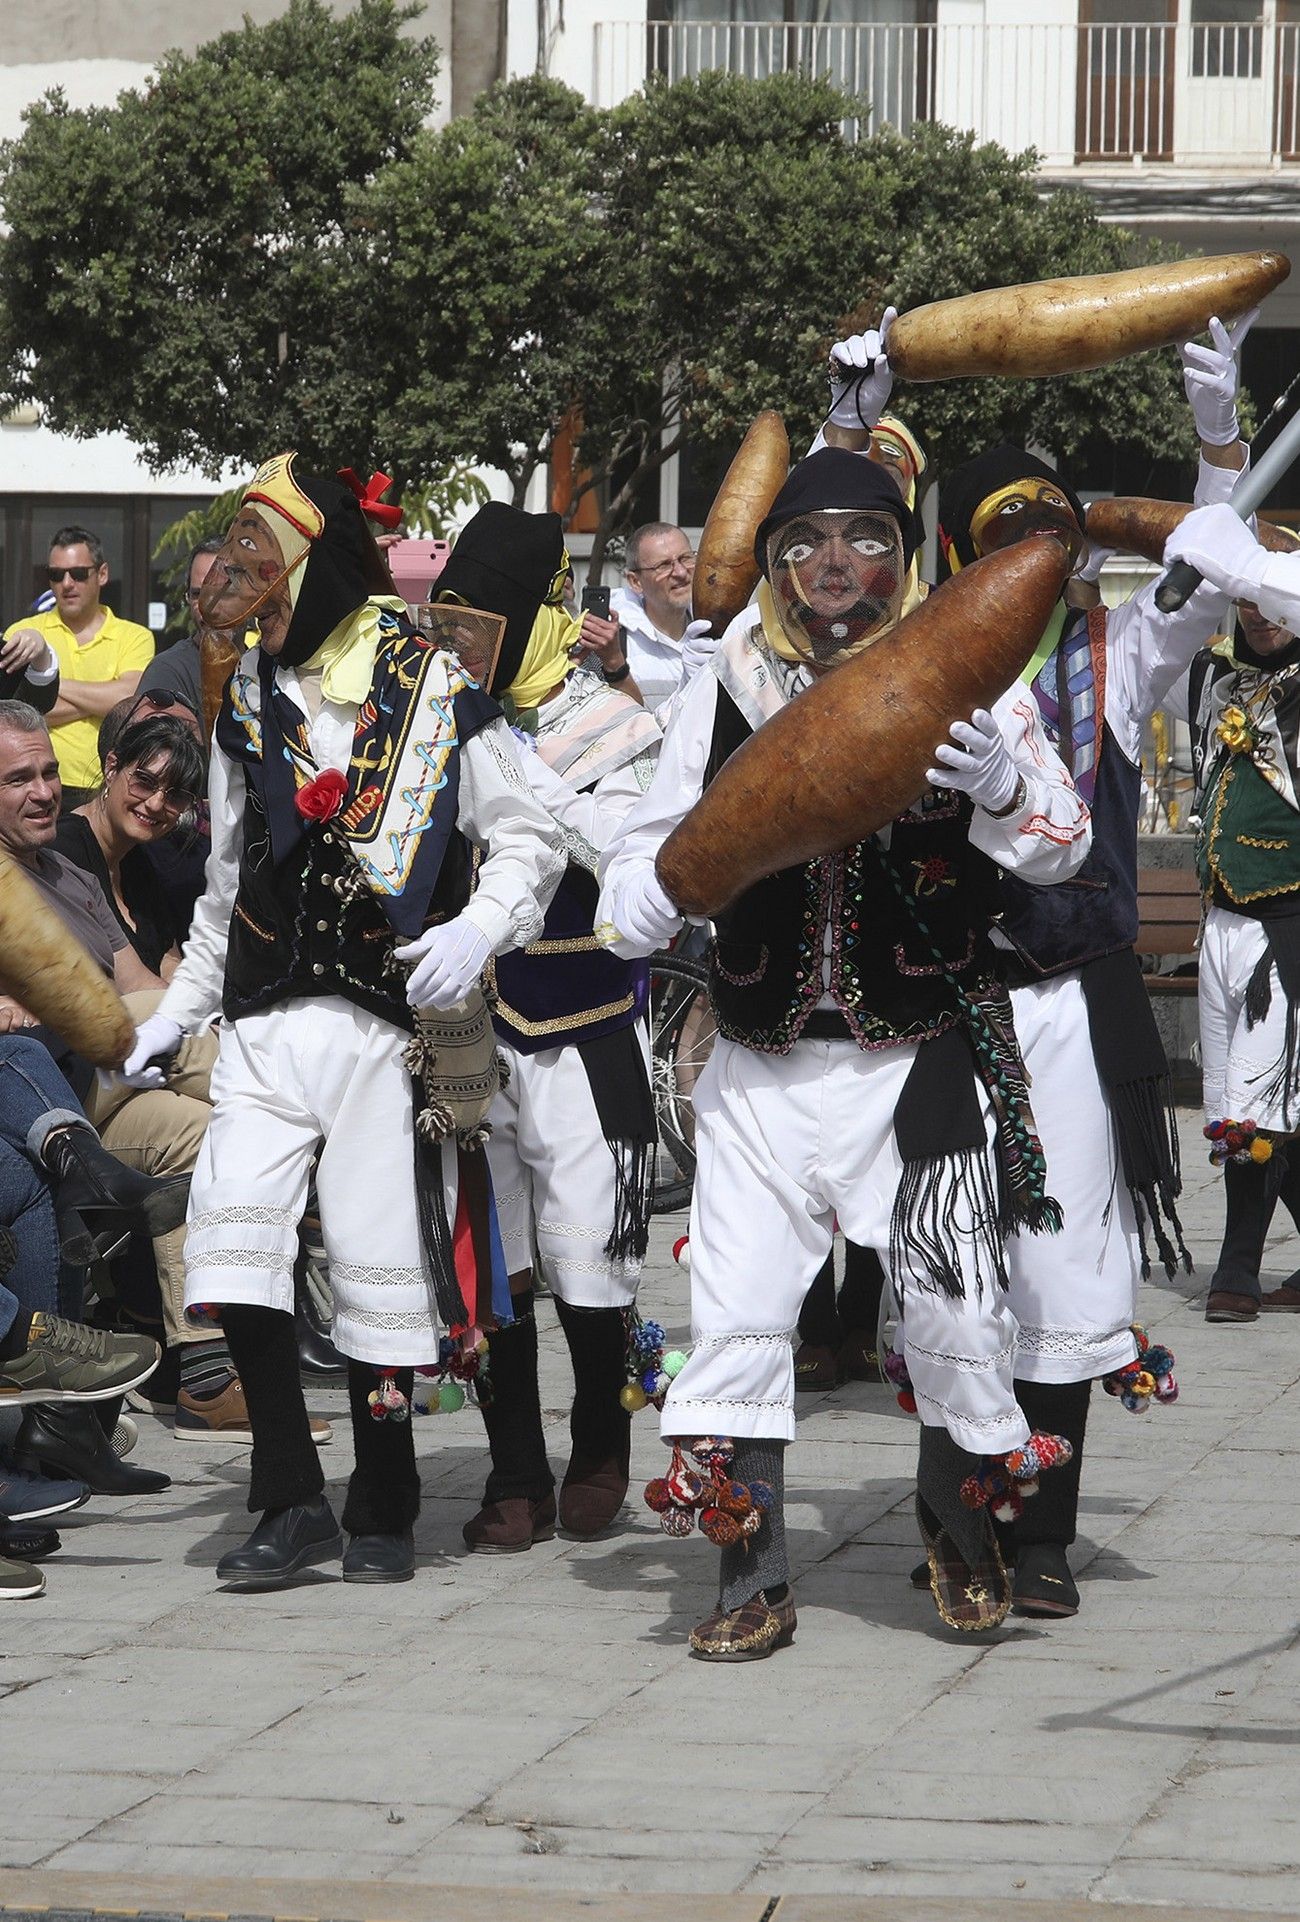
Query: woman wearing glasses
[152, 785]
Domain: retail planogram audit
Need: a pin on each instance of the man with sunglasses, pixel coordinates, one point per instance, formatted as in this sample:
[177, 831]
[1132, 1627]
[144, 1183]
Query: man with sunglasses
[654, 610]
[100, 656]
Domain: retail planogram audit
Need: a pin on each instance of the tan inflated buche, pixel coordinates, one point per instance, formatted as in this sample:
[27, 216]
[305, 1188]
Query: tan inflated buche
[1132, 525]
[849, 755]
[726, 572]
[49, 971]
[1066, 326]
[218, 656]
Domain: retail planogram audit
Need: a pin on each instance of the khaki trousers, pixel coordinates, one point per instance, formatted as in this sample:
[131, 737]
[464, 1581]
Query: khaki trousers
[159, 1131]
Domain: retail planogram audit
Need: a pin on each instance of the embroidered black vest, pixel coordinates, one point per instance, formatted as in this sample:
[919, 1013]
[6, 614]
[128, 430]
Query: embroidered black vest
[292, 932]
[565, 987]
[1248, 848]
[1095, 912]
[886, 975]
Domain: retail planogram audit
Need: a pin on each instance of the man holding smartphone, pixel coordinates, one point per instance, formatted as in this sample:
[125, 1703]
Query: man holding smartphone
[601, 641]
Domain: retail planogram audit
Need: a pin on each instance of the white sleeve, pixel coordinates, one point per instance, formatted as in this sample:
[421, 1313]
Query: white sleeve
[523, 864]
[592, 818]
[1047, 838]
[1279, 591]
[1147, 652]
[677, 786]
[193, 996]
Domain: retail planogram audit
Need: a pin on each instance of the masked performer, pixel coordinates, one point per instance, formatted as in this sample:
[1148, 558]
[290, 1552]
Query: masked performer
[844, 1078]
[353, 765]
[573, 1127]
[1244, 710]
[1101, 1090]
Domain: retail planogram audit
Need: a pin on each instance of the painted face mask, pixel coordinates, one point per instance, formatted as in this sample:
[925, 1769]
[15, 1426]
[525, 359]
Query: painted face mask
[472, 635]
[1028, 506]
[837, 581]
[257, 573]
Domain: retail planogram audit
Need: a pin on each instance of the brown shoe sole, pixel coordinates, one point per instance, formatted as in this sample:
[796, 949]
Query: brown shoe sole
[1249, 1312]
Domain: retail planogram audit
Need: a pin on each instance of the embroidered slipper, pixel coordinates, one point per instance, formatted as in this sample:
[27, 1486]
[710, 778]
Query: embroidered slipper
[816, 1367]
[745, 1634]
[970, 1597]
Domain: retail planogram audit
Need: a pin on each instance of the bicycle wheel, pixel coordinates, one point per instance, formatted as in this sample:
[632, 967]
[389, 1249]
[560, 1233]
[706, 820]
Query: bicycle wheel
[682, 1031]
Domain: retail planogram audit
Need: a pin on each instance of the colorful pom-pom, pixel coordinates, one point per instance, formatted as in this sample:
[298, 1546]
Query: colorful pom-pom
[674, 1362]
[633, 1397]
[682, 1251]
[722, 1530]
[1261, 1149]
[657, 1495]
[677, 1521]
[451, 1398]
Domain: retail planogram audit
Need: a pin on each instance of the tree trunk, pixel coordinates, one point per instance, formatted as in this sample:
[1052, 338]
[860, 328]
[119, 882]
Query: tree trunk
[616, 515]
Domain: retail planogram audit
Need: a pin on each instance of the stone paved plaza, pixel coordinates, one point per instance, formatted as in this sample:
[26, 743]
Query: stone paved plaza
[532, 1723]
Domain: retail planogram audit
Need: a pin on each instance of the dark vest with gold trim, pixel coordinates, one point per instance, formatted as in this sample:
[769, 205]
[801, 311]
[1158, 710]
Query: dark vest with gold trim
[887, 977]
[565, 986]
[1245, 725]
[302, 926]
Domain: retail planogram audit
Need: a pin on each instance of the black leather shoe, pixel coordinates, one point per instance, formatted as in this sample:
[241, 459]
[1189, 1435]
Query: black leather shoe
[380, 1558]
[67, 1439]
[28, 1542]
[284, 1541]
[1043, 1584]
[318, 1359]
[86, 1179]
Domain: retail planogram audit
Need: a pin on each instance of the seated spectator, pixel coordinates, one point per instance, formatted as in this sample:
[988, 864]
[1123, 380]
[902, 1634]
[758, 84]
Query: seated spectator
[153, 783]
[100, 657]
[179, 859]
[155, 1130]
[52, 1168]
[176, 669]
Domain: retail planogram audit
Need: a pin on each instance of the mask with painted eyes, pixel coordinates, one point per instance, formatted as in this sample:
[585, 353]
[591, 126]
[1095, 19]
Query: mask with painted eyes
[1028, 506]
[837, 580]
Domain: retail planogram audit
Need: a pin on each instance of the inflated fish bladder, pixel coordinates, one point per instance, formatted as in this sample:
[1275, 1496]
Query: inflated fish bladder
[851, 753]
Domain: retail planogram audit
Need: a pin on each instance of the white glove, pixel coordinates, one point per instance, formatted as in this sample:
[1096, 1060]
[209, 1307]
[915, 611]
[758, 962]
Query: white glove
[155, 1036]
[861, 377]
[644, 916]
[449, 960]
[1219, 545]
[980, 765]
[1092, 561]
[699, 645]
[1210, 378]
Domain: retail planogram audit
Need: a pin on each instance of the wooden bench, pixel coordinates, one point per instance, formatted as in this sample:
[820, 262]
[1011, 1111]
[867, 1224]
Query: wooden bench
[1169, 914]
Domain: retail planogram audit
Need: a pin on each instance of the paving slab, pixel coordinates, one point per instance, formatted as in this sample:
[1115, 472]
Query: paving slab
[526, 1732]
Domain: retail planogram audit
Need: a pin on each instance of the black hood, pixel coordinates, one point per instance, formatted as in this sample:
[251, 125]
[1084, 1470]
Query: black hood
[835, 478]
[970, 484]
[504, 561]
[342, 570]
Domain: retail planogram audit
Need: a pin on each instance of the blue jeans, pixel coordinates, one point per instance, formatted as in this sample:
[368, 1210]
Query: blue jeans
[34, 1097]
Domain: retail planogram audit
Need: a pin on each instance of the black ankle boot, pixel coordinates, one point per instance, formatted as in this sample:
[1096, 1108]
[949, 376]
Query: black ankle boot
[67, 1439]
[318, 1358]
[85, 1178]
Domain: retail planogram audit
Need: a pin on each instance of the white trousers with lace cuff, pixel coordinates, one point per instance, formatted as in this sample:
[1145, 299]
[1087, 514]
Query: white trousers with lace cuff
[785, 1144]
[309, 1075]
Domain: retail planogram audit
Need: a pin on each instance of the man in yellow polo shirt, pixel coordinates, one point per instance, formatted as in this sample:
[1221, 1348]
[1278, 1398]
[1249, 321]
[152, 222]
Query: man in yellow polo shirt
[101, 658]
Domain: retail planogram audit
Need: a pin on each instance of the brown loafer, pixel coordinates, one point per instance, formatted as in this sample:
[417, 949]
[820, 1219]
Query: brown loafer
[1224, 1304]
[745, 1634]
[1280, 1301]
[592, 1495]
[858, 1360]
[509, 1527]
[816, 1367]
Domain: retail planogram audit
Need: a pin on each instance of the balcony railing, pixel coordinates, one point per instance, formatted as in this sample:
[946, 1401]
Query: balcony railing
[1222, 97]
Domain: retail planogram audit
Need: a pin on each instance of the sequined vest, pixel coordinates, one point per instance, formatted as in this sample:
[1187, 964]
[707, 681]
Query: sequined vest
[1248, 848]
[887, 974]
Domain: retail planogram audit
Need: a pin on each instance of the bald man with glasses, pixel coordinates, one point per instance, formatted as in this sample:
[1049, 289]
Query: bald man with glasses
[654, 610]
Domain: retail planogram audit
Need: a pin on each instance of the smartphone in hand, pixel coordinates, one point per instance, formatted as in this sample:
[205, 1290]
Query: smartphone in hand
[595, 600]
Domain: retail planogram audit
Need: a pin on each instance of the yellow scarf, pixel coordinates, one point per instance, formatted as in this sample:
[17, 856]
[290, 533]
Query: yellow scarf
[546, 658]
[346, 658]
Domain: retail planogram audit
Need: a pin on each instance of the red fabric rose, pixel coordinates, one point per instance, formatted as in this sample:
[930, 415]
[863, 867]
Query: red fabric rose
[322, 797]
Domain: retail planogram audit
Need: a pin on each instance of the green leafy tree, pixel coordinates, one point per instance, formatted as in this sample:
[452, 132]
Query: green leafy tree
[167, 260]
